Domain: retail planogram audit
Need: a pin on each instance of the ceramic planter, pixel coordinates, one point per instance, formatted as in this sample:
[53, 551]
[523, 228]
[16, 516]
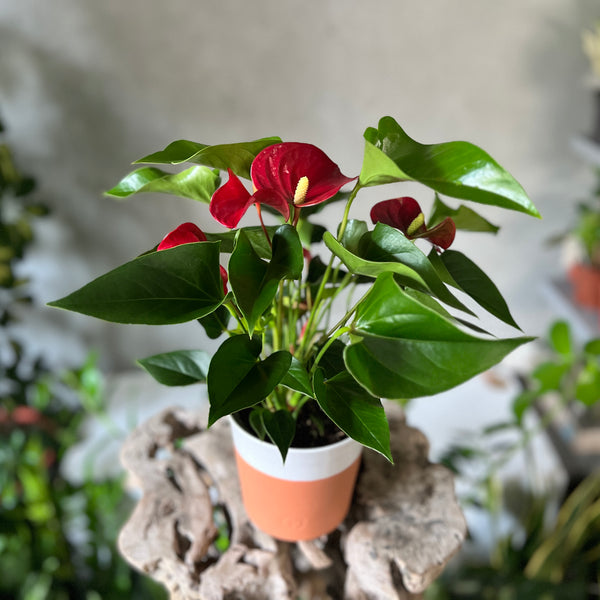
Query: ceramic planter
[586, 285]
[307, 496]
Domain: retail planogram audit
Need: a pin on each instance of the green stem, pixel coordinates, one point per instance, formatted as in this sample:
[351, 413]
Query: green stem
[344, 222]
[234, 311]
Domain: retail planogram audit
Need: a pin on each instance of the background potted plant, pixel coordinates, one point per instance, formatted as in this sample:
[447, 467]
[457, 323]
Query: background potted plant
[584, 274]
[293, 368]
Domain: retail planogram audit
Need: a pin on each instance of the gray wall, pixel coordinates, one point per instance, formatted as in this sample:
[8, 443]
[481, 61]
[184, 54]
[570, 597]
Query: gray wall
[87, 86]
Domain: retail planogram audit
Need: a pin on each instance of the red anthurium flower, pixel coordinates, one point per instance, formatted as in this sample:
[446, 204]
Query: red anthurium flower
[188, 233]
[285, 176]
[406, 215]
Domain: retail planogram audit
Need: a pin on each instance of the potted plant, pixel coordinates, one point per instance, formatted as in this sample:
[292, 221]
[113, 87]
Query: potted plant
[297, 373]
[584, 274]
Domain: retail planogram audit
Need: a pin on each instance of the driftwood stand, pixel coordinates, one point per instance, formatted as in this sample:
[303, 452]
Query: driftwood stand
[403, 528]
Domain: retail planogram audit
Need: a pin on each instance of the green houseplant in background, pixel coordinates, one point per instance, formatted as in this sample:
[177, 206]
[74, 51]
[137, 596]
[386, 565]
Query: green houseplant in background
[547, 553]
[57, 538]
[289, 363]
[584, 274]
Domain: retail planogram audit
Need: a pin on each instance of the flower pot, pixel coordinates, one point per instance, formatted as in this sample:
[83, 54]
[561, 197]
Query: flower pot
[586, 285]
[307, 496]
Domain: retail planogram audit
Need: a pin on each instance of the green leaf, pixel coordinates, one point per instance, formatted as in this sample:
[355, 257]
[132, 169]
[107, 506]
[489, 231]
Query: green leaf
[197, 183]
[457, 169]
[255, 236]
[352, 234]
[358, 414]
[549, 376]
[182, 367]
[587, 386]
[281, 428]
[297, 379]
[402, 349]
[216, 322]
[254, 282]
[359, 266]
[469, 278]
[386, 244]
[560, 338]
[464, 218]
[237, 377]
[171, 286]
[256, 421]
[237, 157]
[592, 347]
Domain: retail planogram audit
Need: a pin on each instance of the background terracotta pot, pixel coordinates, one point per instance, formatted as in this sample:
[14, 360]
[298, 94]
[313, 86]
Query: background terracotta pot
[586, 285]
[307, 496]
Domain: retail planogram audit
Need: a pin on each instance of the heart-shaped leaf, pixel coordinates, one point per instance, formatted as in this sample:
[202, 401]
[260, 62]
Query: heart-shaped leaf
[358, 414]
[255, 235]
[352, 234]
[402, 349]
[237, 157]
[297, 379]
[216, 322]
[254, 281]
[182, 367]
[462, 273]
[159, 288]
[281, 428]
[386, 244]
[237, 377]
[464, 218]
[197, 183]
[359, 266]
[457, 169]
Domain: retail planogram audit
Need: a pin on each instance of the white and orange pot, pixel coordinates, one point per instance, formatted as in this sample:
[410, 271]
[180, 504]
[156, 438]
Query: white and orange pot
[307, 496]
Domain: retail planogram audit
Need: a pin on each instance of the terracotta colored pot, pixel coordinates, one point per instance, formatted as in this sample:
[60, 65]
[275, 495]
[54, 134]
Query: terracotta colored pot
[307, 496]
[586, 285]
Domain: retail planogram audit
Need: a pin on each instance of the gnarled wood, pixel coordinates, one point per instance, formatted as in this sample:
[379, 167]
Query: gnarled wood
[403, 527]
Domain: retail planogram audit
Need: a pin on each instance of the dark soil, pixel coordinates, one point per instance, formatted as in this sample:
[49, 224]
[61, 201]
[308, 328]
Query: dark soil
[313, 427]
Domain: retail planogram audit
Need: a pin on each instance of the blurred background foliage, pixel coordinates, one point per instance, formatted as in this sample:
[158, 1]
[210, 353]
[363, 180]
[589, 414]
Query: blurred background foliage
[57, 538]
[551, 550]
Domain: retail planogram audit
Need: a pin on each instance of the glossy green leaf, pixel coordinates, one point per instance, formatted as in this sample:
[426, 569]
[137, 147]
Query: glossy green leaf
[297, 379]
[402, 349]
[281, 428]
[171, 286]
[464, 217]
[386, 244]
[255, 235]
[197, 183]
[469, 278]
[237, 157]
[256, 421]
[216, 322]
[457, 169]
[358, 414]
[238, 378]
[360, 266]
[352, 234]
[254, 281]
[181, 367]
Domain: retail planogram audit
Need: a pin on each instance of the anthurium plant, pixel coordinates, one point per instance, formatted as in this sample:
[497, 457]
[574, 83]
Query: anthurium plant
[291, 359]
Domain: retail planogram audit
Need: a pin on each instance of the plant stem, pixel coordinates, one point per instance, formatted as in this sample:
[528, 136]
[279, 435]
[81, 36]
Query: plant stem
[262, 224]
[344, 222]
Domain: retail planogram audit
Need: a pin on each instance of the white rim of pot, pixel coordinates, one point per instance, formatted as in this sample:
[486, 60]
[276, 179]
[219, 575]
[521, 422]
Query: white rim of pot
[301, 464]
